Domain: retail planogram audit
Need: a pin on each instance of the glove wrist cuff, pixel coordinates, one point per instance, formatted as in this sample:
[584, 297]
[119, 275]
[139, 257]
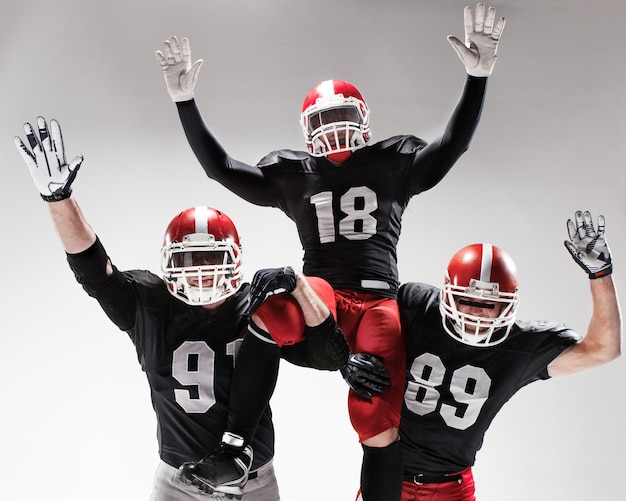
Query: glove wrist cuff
[605, 272]
[478, 73]
[56, 197]
[181, 98]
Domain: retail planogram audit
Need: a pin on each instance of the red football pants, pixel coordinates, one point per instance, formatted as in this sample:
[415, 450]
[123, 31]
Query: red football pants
[371, 325]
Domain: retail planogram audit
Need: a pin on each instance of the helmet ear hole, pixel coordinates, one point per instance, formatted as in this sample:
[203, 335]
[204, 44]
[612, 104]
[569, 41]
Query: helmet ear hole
[201, 256]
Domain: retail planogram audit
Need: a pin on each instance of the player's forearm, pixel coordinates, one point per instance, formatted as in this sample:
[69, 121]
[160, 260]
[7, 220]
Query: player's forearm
[466, 115]
[242, 179]
[436, 159]
[605, 327]
[209, 151]
[602, 343]
[75, 234]
[313, 308]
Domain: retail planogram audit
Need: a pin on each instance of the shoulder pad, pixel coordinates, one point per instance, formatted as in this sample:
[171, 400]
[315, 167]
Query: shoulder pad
[402, 144]
[278, 156]
[145, 278]
[548, 326]
[412, 294]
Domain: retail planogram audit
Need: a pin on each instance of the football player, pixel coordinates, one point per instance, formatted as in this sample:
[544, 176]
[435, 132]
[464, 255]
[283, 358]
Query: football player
[346, 196]
[187, 326]
[467, 355]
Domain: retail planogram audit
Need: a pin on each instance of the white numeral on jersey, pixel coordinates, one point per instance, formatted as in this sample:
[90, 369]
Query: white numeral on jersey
[420, 395]
[469, 387]
[193, 365]
[357, 203]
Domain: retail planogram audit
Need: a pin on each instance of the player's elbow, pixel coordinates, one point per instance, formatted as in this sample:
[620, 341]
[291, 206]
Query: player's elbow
[614, 349]
[608, 352]
[613, 353]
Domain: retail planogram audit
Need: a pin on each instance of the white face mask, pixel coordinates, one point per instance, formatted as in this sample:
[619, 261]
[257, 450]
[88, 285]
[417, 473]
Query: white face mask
[200, 270]
[476, 330]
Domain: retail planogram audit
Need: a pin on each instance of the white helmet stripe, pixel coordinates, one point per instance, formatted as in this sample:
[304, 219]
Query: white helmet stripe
[202, 220]
[486, 262]
[326, 88]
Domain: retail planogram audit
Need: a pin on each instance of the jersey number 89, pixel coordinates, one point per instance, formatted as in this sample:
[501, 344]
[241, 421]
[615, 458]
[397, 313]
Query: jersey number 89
[469, 387]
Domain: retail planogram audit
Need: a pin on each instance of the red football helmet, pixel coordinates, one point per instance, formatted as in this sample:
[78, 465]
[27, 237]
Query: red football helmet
[335, 120]
[480, 274]
[201, 256]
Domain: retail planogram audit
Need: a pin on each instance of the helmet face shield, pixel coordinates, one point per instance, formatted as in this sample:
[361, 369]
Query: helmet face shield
[341, 114]
[201, 257]
[184, 258]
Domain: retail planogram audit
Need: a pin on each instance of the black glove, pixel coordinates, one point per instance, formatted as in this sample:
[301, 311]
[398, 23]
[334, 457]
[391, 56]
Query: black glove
[268, 282]
[365, 374]
[587, 246]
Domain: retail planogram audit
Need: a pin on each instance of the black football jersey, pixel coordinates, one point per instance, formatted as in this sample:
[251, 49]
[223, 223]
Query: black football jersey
[348, 216]
[454, 390]
[188, 356]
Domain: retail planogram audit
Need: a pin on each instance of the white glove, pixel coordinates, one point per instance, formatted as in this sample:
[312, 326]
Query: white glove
[478, 54]
[588, 247]
[49, 169]
[180, 75]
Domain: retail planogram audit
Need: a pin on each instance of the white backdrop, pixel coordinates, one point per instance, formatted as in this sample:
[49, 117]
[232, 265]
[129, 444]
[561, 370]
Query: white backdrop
[77, 422]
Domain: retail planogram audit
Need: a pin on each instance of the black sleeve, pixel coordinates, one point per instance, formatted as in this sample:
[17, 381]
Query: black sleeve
[114, 292]
[242, 179]
[435, 160]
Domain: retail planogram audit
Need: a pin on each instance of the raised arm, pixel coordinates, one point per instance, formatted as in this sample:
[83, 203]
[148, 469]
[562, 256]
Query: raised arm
[53, 177]
[478, 55]
[181, 77]
[603, 340]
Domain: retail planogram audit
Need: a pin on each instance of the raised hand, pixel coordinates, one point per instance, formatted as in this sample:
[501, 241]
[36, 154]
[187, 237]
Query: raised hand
[587, 246]
[479, 52]
[49, 169]
[180, 75]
